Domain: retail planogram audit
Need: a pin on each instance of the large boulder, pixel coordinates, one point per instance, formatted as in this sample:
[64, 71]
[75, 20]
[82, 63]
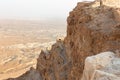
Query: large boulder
[104, 66]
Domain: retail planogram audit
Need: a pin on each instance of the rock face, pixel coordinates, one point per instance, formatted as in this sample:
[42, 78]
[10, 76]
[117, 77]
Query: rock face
[104, 66]
[53, 64]
[93, 27]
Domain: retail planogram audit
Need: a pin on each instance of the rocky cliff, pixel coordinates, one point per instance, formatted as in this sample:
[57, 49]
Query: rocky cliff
[93, 27]
[104, 66]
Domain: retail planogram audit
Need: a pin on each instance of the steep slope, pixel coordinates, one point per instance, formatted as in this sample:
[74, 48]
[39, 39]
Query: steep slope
[93, 27]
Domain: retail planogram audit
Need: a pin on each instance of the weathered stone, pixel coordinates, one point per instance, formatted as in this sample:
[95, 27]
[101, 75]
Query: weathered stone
[90, 30]
[111, 3]
[56, 66]
[93, 27]
[104, 66]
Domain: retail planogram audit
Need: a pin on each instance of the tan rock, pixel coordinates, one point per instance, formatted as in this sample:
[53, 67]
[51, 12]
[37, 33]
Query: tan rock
[104, 66]
[101, 75]
[111, 3]
[92, 28]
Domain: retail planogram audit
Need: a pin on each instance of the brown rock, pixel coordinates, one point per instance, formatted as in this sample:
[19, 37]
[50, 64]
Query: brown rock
[92, 28]
[56, 66]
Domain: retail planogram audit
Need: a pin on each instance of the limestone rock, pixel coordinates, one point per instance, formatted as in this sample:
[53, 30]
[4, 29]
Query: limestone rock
[101, 75]
[111, 3]
[104, 66]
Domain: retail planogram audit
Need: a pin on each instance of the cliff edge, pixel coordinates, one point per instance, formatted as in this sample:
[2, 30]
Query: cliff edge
[93, 27]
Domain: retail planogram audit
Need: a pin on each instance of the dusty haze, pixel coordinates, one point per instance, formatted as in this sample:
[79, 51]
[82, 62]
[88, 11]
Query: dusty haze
[21, 42]
[36, 9]
[26, 27]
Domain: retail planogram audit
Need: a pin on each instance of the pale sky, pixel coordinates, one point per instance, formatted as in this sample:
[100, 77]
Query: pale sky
[36, 9]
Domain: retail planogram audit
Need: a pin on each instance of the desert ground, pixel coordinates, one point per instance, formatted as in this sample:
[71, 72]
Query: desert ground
[21, 42]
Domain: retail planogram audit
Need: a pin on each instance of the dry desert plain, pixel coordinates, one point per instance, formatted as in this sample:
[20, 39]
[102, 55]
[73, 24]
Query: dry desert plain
[21, 42]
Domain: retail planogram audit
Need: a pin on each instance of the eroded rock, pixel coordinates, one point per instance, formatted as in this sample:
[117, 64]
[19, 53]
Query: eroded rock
[92, 28]
[104, 66]
[54, 66]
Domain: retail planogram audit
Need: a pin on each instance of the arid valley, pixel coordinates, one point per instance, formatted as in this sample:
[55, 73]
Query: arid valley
[21, 42]
[84, 47]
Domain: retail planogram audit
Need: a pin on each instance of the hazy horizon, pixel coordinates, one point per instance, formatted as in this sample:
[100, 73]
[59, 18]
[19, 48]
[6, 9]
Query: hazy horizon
[36, 9]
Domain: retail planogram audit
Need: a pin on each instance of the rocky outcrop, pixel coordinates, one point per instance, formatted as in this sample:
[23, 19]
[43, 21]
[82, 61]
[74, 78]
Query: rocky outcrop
[53, 64]
[32, 74]
[93, 27]
[104, 66]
